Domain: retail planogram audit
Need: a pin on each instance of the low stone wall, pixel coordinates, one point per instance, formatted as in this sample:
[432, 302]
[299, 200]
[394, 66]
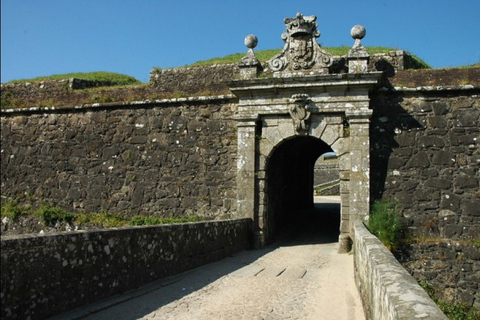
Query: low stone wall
[212, 78]
[325, 173]
[45, 275]
[387, 289]
[47, 89]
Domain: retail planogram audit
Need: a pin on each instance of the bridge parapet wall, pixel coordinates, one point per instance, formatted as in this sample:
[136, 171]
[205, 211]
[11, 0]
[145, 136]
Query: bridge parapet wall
[76, 268]
[388, 291]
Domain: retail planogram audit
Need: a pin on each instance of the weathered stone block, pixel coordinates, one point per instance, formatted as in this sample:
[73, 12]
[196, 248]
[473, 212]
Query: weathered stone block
[421, 106]
[395, 163]
[440, 108]
[404, 197]
[438, 183]
[421, 195]
[419, 160]
[429, 141]
[471, 207]
[466, 118]
[429, 173]
[464, 139]
[437, 122]
[443, 158]
[450, 201]
[466, 181]
[406, 139]
[452, 231]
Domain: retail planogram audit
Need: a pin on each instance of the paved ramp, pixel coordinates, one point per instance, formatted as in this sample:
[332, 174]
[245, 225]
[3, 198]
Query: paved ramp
[300, 277]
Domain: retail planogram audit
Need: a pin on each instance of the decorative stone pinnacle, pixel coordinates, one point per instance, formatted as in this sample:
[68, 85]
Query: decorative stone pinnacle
[250, 59]
[358, 32]
[301, 52]
[249, 65]
[358, 56]
[251, 41]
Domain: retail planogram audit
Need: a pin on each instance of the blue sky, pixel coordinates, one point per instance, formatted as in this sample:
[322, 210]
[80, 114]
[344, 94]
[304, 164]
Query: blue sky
[40, 38]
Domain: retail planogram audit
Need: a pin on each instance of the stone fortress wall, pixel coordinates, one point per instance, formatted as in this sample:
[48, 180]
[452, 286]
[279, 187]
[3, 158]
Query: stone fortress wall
[103, 156]
[171, 159]
[426, 155]
[428, 142]
[326, 176]
[326, 169]
[178, 157]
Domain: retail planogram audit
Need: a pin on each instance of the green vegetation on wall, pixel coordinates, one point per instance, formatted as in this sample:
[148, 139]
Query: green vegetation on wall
[117, 78]
[454, 311]
[50, 215]
[264, 55]
[385, 222]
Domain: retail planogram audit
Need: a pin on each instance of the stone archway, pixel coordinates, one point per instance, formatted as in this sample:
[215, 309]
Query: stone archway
[278, 137]
[339, 116]
[297, 97]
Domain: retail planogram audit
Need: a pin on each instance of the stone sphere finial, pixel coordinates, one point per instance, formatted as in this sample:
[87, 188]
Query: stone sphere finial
[251, 41]
[358, 32]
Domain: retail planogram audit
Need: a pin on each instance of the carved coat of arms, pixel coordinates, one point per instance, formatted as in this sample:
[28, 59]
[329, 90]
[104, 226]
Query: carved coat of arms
[301, 51]
[299, 110]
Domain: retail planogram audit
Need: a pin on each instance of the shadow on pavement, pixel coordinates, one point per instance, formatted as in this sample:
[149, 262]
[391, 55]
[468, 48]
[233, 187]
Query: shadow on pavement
[140, 302]
[319, 225]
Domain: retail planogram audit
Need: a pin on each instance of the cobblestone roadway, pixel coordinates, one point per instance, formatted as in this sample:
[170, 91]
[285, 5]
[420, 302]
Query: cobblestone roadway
[296, 280]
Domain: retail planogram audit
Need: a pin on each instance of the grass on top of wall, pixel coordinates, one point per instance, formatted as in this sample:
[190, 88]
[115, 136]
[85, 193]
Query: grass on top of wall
[264, 55]
[475, 65]
[51, 215]
[117, 78]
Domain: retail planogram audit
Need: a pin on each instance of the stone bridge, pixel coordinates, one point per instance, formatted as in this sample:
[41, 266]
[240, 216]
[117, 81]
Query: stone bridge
[245, 160]
[300, 276]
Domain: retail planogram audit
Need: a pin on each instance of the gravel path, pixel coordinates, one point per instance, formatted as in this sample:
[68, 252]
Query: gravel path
[298, 278]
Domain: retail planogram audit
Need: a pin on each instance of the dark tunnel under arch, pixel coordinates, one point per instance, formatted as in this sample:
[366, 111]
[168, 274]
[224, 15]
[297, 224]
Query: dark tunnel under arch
[290, 179]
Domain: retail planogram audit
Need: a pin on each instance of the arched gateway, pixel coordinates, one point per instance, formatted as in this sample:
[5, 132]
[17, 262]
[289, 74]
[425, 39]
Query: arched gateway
[296, 110]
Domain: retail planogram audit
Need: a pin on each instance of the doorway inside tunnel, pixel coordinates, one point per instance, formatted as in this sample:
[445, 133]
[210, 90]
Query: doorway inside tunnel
[294, 212]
